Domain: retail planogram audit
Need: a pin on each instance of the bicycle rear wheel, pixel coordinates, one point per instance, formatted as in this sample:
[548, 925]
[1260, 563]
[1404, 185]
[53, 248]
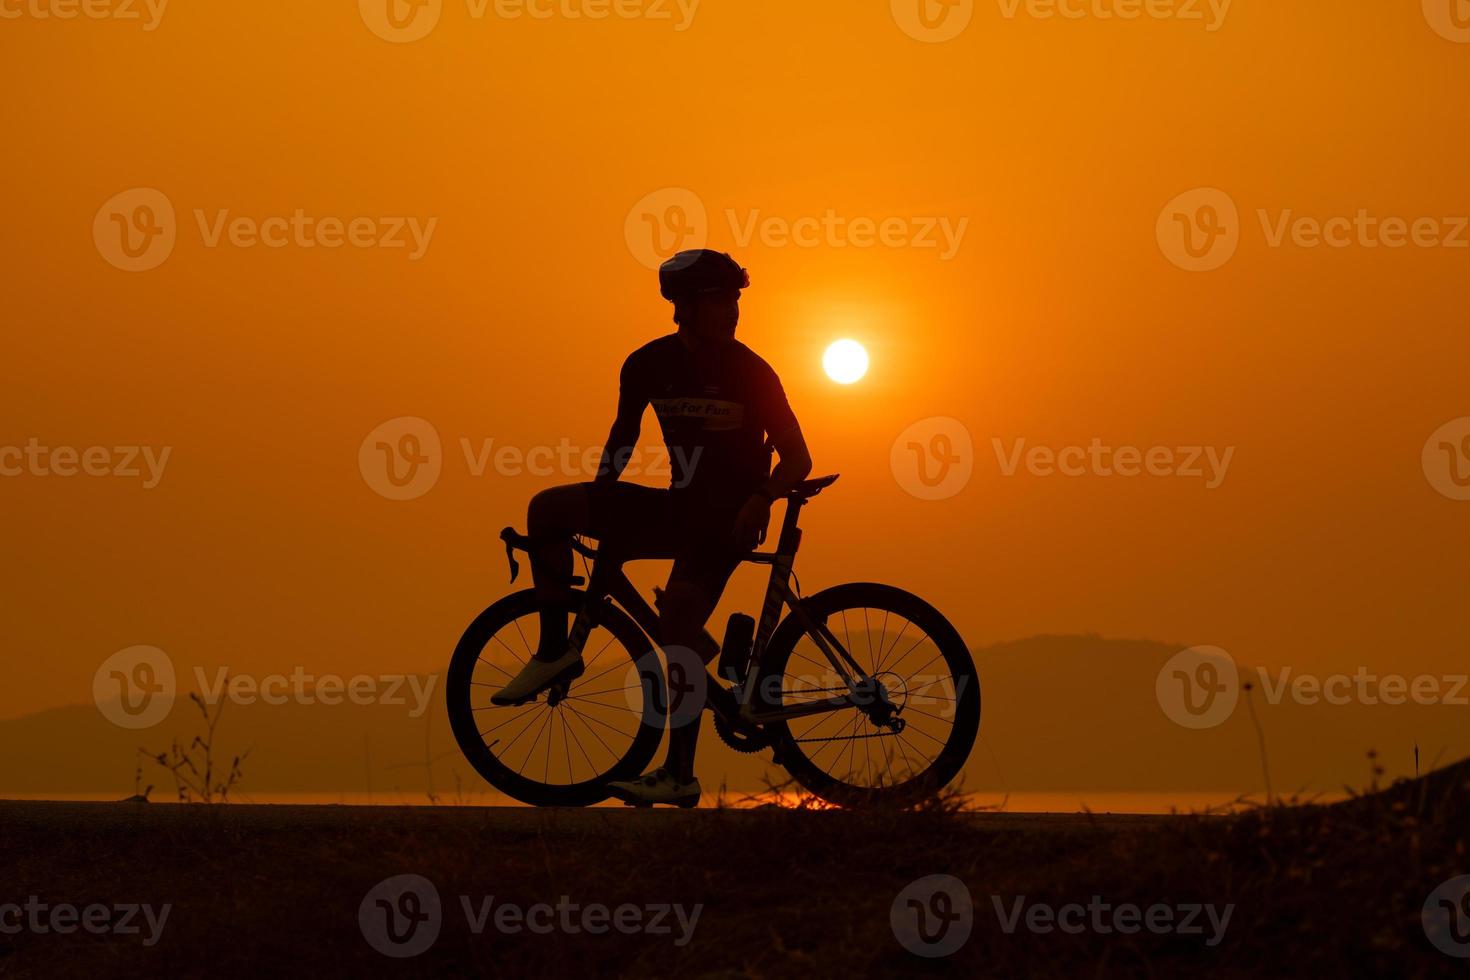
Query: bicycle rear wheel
[561, 754]
[927, 676]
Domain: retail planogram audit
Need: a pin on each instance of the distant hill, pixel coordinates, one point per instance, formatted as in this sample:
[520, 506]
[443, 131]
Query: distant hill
[1037, 694]
[1107, 689]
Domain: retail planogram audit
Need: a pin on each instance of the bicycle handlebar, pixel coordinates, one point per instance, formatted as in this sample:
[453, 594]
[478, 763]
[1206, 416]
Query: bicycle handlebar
[515, 541]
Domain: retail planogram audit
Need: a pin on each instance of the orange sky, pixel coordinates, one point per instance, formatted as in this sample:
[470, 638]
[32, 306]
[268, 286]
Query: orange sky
[1058, 319]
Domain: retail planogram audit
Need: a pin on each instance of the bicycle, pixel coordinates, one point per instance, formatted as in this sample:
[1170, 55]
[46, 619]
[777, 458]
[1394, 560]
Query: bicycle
[760, 699]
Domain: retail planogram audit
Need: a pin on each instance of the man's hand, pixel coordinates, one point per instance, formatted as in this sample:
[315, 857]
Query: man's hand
[752, 521]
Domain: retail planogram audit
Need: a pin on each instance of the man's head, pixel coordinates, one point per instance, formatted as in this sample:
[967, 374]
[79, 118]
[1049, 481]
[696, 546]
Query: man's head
[704, 287]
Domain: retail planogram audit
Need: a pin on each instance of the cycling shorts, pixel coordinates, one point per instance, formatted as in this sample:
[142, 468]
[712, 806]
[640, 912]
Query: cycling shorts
[633, 522]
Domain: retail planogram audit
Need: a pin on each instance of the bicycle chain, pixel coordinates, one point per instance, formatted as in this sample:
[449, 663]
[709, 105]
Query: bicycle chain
[846, 738]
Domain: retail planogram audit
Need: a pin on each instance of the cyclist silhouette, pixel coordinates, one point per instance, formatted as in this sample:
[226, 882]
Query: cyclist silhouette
[722, 409]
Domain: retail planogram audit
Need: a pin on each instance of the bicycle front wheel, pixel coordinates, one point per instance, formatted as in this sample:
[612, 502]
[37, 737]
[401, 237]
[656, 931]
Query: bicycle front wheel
[562, 753]
[927, 677]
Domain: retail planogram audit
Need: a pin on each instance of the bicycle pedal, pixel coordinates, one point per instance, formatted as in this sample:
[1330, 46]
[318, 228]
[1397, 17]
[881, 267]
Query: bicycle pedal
[559, 685]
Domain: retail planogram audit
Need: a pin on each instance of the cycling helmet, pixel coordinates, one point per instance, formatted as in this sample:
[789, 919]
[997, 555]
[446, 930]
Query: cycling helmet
[700, 270]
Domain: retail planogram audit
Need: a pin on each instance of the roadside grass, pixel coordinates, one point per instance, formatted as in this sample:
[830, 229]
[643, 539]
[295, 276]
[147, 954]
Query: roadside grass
[793, 891]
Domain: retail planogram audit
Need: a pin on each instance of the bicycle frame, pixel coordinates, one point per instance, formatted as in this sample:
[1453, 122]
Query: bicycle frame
[608, 581]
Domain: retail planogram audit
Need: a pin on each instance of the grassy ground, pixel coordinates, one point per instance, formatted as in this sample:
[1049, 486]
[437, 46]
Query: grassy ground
[1317, 891]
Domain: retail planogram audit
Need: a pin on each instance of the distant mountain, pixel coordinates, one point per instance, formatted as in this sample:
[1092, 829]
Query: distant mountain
[1082, 712]
[1066, 713]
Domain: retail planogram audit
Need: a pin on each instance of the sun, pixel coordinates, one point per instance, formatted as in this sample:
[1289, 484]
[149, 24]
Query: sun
[845, 361]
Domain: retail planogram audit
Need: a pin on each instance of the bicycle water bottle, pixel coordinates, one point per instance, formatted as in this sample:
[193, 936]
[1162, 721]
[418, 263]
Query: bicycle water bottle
[735, 651]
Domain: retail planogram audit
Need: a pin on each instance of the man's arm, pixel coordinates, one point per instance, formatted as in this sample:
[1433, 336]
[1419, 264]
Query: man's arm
[793, 462]
[622, 438]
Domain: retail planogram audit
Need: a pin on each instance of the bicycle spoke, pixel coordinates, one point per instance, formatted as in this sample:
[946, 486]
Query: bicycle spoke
[926, 663]
[524, 642]
[583, 718]
[529, 722]
[508, 650]
[600, 652]
[882, 762]
[888, 762]
[904, 741]
[907, 762]
[882, 632]
[815, 694]
[589, 680]
[491, 664]
[602, 723]
[572, 731]
[869, 631]
[836, 741]
[819, 663]
[915, 773]
[611, 690]
[529, 744]
[587, 714]
[920, 693]
[883, 654]
[822, 720]
[536, 738]
[852, 744]
[503, 723]
[927, 714]
[589, 703]
[915, 728]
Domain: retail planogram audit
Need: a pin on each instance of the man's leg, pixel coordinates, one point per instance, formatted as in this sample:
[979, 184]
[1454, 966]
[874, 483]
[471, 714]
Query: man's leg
[555, 515]
[703, 563]
[551, 520]
[683, 608]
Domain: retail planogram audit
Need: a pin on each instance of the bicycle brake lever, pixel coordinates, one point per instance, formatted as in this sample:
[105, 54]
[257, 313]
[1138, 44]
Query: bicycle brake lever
[508, 535]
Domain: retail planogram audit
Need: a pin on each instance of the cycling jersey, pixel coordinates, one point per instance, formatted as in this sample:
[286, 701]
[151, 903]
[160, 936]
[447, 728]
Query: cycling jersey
[715, 406]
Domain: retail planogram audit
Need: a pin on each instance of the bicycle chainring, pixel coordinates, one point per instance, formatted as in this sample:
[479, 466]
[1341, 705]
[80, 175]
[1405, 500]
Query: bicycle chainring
[740, 741]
